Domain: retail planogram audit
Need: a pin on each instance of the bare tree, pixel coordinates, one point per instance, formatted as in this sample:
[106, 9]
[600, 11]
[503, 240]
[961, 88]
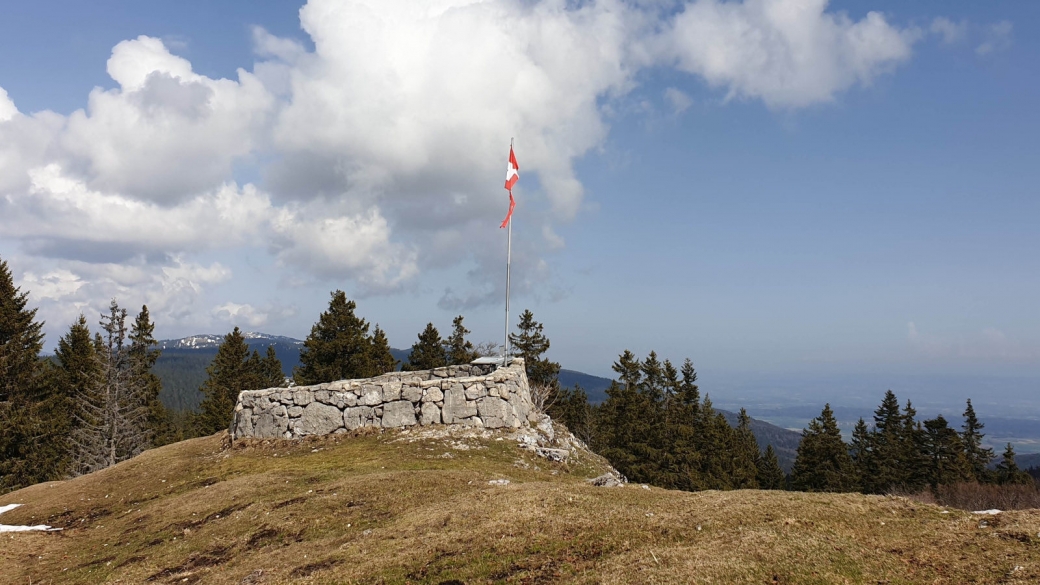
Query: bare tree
[112, 415]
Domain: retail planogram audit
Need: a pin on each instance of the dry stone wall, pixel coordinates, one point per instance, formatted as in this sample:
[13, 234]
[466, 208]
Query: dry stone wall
[476, 395]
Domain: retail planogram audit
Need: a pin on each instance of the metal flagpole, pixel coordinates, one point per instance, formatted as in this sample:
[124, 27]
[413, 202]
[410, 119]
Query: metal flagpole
[509, 257]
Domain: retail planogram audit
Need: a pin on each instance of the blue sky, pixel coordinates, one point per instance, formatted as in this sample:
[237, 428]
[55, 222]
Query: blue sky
[861, 199]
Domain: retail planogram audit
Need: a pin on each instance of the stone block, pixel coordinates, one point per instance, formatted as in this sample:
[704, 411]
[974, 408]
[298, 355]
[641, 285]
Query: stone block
[242, 426]
[295, 411]
[456, 407]
[269, 426]
[391, 391]
[371, 395]
[319, 419]
[324, 396]
[431, 414]
[497, 413]
[358, 416]
[399, 413]
[475, 391]
[433, 395]
[412, 393]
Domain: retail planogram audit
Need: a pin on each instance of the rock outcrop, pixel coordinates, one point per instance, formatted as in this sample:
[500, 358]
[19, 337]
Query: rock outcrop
[476, 395]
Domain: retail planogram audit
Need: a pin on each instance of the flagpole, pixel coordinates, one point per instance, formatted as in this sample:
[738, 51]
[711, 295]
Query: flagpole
[509, 257]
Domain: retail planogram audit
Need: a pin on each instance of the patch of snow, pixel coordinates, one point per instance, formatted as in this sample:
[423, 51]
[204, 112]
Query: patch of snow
[992, 512]
[499, 482]
[7, 528]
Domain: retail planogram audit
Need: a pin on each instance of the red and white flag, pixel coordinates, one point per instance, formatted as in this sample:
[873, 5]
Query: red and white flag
[512, 175]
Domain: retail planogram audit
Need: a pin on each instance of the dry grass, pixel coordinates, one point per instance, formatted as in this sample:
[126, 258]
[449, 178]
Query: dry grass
[978, 496]
[372, 509]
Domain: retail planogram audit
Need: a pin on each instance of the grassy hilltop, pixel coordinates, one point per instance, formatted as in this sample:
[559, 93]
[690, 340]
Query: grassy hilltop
[393, 508]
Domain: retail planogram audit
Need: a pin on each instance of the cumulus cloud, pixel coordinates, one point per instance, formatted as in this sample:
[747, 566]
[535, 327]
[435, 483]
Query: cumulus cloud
[377, 148]
[998, 38]
[950, 32]
[249, 316]
[788, 53]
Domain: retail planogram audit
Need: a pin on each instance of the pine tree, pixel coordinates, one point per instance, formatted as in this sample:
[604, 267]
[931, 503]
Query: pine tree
[338, 346]
[233, 370]
[33, 416]
[382, 360]
[458, 349]
[823, 463]
[143, 355]
[81, 378]
[530, 343]
[885, 466]
[977, 456]
[944, 452]
[1007, 470]
[574, 411]
[913, 464]
[864, 459]
[770, 474]
[681, 419]
[744, 454]
[428, 352]
[119, 409]
[713, 436]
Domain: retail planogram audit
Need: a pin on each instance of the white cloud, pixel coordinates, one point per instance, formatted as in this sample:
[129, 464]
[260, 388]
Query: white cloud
[998, 38]
[7, 107]
[988, 344]
[788, 53]
[679, 101]
[377, 148]
[237, 314]
[950, 32]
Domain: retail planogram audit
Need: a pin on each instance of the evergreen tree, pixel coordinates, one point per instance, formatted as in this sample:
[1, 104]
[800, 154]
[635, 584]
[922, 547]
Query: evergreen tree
[977, 456]
[530, 343]
[944, 452]
[81, 378]
[382, 360]
[33, 416]
[885, 466]
[770, 474]
[458, 349]
[713, 437]
[338, 346]
[744, 454]
[119, 410]
[823, 463]
[864, 459]
[913, 464]
[574, 411]
[1007, 470]
[428, 351]
[143, 355]
[681, 419]
[233, 370]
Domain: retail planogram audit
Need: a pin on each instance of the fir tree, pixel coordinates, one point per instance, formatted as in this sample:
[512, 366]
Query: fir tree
[885, 466]
[864, 459]
[823, 463]
[143, 355]
[33, 416]
[744, 454]
[770, 474]
[233, 370]
[458, 349]
[1007, 471]
[428, 351]
[681, 419]
[977, 456]
[338, 346]
[382, 360]
[944, 452]
[574, 411]
[531, 343]
[81, 377]
[913, 465]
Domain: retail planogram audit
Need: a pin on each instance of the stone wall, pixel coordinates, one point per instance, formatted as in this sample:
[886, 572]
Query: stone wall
[474, 395]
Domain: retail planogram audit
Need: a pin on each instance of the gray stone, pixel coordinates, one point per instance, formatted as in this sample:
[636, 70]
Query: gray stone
[399, 413]
[349, 399]
[243, 423]
[476, 391]
[269, 426]
[324, 396]
[391, 391]
[439, 372]
[358, 416]
[473, 421]
[295, 411]
[433, 395]
[431, 414]
[319, 419]
[412, 393]
[497, 413]
[371, 394]
[605, 480]
[456, 408]
[559, 455]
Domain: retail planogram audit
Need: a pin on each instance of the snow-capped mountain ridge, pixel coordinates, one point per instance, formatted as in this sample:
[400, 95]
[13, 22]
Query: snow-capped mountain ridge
[208, 341]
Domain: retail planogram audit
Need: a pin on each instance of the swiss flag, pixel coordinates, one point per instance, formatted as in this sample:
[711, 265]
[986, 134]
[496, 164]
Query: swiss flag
[512, 175]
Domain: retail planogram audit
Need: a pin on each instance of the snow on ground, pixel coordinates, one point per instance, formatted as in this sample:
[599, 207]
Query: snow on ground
[6, 528]
[992, 512]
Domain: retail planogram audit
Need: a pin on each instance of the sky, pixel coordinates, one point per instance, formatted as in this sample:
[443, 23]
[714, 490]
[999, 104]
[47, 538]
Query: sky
[763, 186]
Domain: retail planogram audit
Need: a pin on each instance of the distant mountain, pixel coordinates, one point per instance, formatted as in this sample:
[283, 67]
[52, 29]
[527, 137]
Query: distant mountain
[207, 341]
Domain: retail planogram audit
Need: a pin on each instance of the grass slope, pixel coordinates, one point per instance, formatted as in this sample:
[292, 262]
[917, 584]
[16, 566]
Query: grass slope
[390, 508]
